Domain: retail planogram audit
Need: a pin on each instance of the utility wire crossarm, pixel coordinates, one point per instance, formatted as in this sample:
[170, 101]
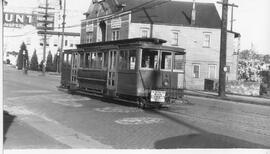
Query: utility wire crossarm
[232, 7]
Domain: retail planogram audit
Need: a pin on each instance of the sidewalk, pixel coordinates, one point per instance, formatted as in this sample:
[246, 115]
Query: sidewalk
[31, 73]
[230, 97]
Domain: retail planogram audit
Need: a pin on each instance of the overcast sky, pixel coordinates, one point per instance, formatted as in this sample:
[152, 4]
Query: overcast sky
[252, 19]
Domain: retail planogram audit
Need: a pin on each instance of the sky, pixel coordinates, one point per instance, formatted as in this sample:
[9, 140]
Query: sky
[252, 19]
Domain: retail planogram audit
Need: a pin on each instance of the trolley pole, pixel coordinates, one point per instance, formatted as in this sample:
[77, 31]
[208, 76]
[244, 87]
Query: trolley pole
[62, 41]
[232, 20]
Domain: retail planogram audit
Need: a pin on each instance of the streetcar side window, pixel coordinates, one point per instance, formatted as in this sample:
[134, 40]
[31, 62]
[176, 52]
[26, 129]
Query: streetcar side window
[105, 61]
[178, 62]
[86, 57]
[149, 59]
[166, 60]
[82, 59]
[69, 59]
[132, 59]
[95, 60]
[65, 58]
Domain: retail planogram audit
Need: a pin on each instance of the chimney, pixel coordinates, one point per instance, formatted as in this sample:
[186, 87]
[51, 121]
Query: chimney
[193, 13]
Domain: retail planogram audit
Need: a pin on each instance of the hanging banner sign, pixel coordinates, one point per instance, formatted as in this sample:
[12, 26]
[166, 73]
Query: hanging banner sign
[89, 27]
[116, 23]
[41, 22]
[17, 20]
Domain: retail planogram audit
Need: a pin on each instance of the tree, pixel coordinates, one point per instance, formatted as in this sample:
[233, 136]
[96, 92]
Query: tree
[49, 62]
[34, 62]
[23, 60]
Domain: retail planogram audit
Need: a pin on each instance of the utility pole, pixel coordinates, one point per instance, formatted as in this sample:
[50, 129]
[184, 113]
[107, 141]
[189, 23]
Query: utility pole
[43, 24]
[62, 41]
[45, 38]
[223, 49]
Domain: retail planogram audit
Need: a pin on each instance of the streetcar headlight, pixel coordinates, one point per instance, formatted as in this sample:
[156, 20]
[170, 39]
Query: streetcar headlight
[165, 83]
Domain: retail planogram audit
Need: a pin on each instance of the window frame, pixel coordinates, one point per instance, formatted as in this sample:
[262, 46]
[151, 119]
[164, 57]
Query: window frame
[158, 59]
[175, 40]
[89, 37]
[215, 76]
[163, 69]
[127, 53]
[145, 29]
[193, 69]
[206, 39]
[114, 36]
[178, 70]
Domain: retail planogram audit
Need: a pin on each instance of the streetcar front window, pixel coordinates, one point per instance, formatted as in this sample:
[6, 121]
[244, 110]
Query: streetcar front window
[149, 58]
[166, 60]
[178, 62]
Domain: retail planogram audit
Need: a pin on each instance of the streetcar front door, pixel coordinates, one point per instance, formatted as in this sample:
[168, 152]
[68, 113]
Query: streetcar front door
[112, 73]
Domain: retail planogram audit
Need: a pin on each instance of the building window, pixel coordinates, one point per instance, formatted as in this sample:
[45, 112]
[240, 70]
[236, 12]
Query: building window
[211, 71]
[175, 38]
[89, 37]
[207, 39]
[144, 32]
[66, 42]
[115, 35]
[196, 71]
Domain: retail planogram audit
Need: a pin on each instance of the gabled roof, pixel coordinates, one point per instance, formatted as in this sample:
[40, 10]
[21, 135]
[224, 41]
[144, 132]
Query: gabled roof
[161, 12]
[175, 13]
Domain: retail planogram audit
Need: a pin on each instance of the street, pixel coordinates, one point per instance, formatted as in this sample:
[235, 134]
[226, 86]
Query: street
[38, 115]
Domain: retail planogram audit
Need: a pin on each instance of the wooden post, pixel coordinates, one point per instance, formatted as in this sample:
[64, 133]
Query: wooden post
[62, 41]
[223, 50]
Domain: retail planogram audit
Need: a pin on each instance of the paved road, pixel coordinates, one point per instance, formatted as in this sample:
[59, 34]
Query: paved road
[39, 116]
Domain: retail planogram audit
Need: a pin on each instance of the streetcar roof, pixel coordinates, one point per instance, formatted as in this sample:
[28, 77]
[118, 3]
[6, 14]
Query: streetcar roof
[145, 43]
[124, 41]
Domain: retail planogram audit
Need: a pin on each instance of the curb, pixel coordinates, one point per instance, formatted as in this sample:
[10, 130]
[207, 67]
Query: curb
[229, 99]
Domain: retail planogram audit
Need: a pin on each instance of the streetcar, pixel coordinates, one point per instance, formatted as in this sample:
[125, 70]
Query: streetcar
[139, 70]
